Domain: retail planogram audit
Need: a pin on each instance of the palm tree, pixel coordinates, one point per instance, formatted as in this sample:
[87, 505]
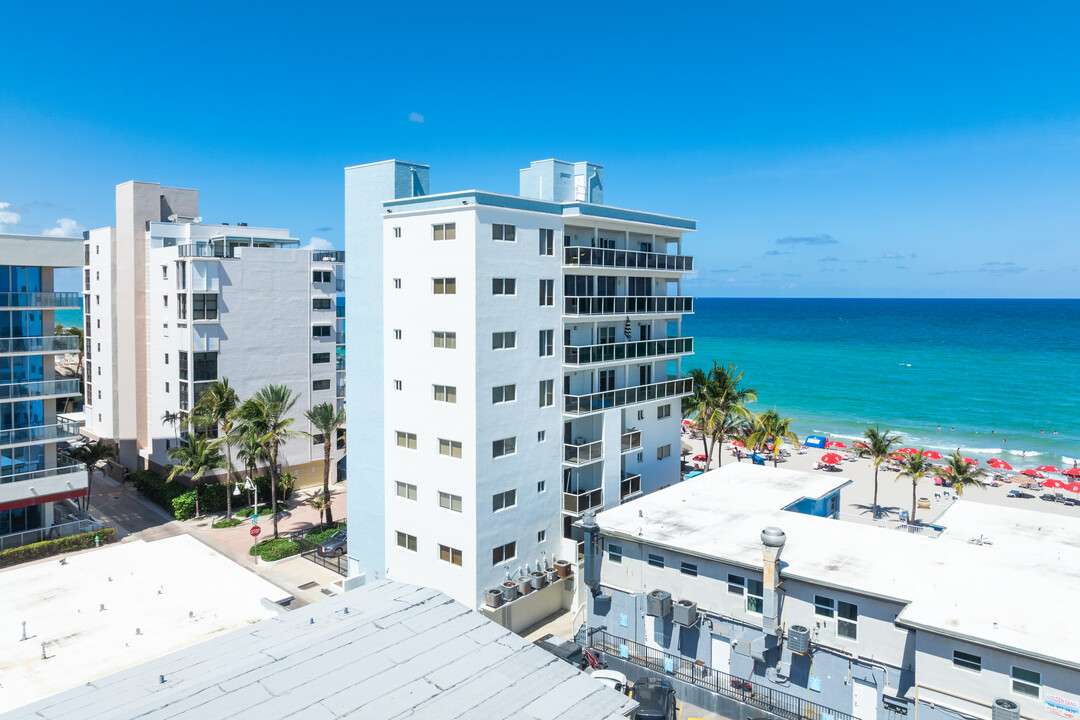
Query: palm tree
[769, 425]
[915, 468]
[327, 419]
[176, 419]
[321, 504]
[95, 456]
[195, 457]
[266, 417]
[216, 408]
[962, 473]
[77, 332]
[878, 447]
[698, 406]
[717, 405]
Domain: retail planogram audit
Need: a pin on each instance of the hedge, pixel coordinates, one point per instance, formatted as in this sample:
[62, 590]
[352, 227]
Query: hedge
[226, 523]
[323, 532]
[179, 500]
[45, 548]
[248, 512]
[279, 549]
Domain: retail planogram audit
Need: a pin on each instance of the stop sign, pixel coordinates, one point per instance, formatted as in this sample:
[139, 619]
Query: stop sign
[255, 530]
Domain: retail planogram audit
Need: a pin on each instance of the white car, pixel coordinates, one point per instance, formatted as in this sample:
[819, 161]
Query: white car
[613, 679]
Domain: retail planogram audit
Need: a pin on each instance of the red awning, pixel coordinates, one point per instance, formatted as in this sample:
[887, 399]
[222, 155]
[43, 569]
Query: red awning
[39, 499]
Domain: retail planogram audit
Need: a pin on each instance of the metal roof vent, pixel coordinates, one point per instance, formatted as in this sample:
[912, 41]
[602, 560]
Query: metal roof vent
[798, 639]
[773, 536]
[1004, 710]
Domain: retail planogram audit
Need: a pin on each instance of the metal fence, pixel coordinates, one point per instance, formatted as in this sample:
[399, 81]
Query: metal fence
[745, 691]
[55, 531]
[310, 551]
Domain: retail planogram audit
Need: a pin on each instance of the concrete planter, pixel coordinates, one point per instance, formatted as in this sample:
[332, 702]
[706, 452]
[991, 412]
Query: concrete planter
[275, 562]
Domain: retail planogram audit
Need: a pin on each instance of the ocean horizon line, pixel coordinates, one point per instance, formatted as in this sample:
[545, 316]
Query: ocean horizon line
[894, 299]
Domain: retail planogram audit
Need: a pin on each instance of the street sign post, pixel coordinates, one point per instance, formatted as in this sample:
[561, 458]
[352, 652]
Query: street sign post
[255, 530]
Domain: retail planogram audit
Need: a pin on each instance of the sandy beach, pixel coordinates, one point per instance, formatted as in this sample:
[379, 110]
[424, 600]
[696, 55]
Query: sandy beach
[894, 495]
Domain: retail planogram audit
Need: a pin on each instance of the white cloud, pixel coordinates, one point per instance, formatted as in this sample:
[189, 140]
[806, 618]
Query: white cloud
[8, 217]
[65, 227]
[416, 117]
[318, 243]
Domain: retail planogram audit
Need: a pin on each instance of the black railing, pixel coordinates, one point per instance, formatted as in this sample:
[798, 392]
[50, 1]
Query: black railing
[310, 551]
[634, 259]
[747, 691]
[594, 402]
[613, 352]
[627, 305]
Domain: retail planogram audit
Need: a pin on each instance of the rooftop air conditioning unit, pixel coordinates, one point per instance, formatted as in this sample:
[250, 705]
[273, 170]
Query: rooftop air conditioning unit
[1004, 710]
[658, 604]
[798, 639]
[685, 613]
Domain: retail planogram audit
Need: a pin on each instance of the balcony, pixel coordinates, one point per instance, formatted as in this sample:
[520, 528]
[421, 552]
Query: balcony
[629, 259]
[330, 256]
[581, 454]
[39, 389]
[39, 345]
[577, 306]
[62, 430]
[64, 467]
[629, 442]
[202, 250]
[597, 402]
[630, 486]
[578, 502]
[40, 300]
[339, 363]
[341, 338]
[623, 351]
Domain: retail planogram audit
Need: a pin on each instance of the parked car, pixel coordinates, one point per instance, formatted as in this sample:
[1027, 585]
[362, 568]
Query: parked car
[1072, 502]
[1047, 496]
[1020, 495]
[655, 698]
[334, 545]
[613, 679]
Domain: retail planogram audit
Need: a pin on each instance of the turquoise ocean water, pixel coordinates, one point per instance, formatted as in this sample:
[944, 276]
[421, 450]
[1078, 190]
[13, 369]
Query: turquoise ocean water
[69, 318]
[991, 373]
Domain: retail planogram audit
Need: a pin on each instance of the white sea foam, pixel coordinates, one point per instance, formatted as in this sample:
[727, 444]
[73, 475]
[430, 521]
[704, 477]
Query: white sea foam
[1068, 460]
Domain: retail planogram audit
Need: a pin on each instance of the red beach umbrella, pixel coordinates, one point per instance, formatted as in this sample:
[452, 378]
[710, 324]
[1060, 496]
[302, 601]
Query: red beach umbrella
[1072, 472]
[831, 459]
[1073, 487]
[1052, 483]
[896, 456]
[908, 451]
[699, 458]
[859, 444]
[770, 446]
[971, 461]
[835, 444]
[1047, 468]
[998, 464]
[1032, 473]
[931, 454]
[738, 443]
[687, 422]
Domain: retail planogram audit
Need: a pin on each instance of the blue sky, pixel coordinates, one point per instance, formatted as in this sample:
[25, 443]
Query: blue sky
[826, 149]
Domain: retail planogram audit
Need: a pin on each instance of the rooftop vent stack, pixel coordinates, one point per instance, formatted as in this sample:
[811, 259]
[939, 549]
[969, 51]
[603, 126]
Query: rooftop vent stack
[592, 547]
[1004, 710]
[772, 542]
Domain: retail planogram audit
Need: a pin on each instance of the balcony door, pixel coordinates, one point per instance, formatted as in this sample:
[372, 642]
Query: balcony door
[645, 374]
[607, 380]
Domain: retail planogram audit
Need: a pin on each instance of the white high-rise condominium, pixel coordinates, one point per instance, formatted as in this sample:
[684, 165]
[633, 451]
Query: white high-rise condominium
[173, 304]
[522, 364]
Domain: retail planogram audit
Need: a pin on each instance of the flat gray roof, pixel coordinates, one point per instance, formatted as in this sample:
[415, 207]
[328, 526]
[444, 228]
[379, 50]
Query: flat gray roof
[399, 651]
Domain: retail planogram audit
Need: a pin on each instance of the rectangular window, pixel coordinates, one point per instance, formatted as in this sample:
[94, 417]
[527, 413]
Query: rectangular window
[966, 661]
[181, 275]
[541, 436]
[503, 340]
[205, 366]
[166, 354]
[166, 386]
[445, 393]
[736, 584]
[547, 242]
[320, 358]
[505, 233]
[450, 448]
[503, 286]
[754, 596]
[824, 606]
[443, 339]
[664, 451]
[450, 502]
[320, 331]
[406, 541]
[405, 490]
[164, 272]
[165, 299]
[541, 486]
[547, 393]
[664, 411]
[503, 394]
[406, 439]
[320, 384]
[503, 500]
[547, 343]
[397, 384]
[656, 561]
[397, 334]
[397, 283]
[182, 358]
[614, 553]
[506, 446]
[1026, 682]
[181, 306]
[640, 414]
[320, 303]
[541, 536]
[847, 620]
[688, 569]
[504, 553]
[444, 286]
[397, 232]
[203, 306]
[547, 293]
[444, 231]
[450, 555]
[320, 276]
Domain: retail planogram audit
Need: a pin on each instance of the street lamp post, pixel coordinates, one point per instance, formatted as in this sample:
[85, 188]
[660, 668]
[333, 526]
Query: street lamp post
[250, 486]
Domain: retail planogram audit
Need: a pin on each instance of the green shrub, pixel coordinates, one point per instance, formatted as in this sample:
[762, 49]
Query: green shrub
[245, 513]
[179, 500]
[323, 532]
[45, 548]
[270, 550]
[226, 523]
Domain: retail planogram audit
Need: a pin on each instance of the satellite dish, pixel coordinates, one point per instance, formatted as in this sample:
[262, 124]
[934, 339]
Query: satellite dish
[172, 218]
[198, 219]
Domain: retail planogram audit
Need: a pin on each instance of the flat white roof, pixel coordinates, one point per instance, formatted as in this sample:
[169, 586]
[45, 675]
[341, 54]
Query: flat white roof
[985, 593]
[41, 250]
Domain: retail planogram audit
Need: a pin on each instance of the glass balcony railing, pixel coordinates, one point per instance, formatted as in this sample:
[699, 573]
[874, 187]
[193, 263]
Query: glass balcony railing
[579, 502]
[200, 250]
[45, 344]
[339, 363]
[629, 486]
[340, 308]
[614, 352]
[631, 259]
[64, 466]
[40, 388]
[62, 430]
[581, 454]
[596, 402]
[628, 442]
[39, 299]
[627, 305]
[330, 256]
[341, 338]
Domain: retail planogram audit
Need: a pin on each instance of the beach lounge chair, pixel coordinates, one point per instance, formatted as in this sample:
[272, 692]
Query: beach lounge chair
[947, 496]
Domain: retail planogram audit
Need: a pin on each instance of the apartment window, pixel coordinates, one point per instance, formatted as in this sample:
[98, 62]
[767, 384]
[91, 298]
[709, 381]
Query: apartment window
[165, 300]
[824, 606]
[444, 231]
[688, 569]
[205, 366]
[547, 293]
[181, 306]
[97, 299]
[166, 354]
[547, 242]
[397, 283]
[320, 331]
[541, 486]
[183, 357]
[847, 620]
[664, 411]
[505, 233]
[164, 272]
[320, 358]
[397, 334]
[503, 340]
[166, 386]
[504, 553]
[547, 393]
[503, 394]
[397, 384]
[406, 439]
[203, 306]
[503, 500]
[405, 490]
[541, 536]
[656, 561]
[664, 451]
[397, 232]
[181, 275]
[450, 555]
[450, 502]
[445, 393]
[443, 339]
[736, 584]
[547, 343]
[320, 303]
[320, 276]
[541, 436]
[967, 661]
[320, 384]
[506, 446]
[503, 286]
[1026, 682]
[97, 275]
[614, 553]
[755, 592]
[406, 541]
[640, 414]
[444, 286]
[450, 448]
